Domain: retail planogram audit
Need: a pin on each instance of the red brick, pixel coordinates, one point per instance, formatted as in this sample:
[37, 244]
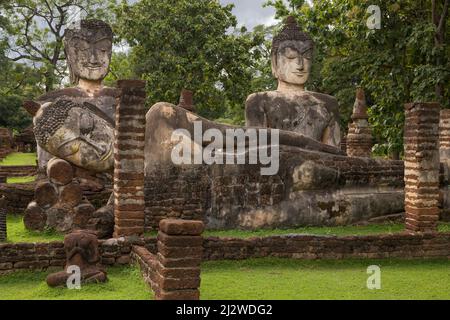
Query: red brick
[181, 227]
[180, 241]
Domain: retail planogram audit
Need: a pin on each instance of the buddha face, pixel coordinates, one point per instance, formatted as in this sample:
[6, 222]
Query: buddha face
[89, 57]
[77, 135]
[292, 62]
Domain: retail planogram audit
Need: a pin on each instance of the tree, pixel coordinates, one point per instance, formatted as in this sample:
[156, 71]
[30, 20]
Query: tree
[194, 45]
[439, 14]
[34, 32]
[397, 64]
[17, 83]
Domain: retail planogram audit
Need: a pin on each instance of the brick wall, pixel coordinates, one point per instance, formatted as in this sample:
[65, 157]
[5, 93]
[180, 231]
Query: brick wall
[19, 256]
[174, 271]
[18, 196]
[4, 152]
[18, 171]
[193, 192]
[40, 256]
[330, 247]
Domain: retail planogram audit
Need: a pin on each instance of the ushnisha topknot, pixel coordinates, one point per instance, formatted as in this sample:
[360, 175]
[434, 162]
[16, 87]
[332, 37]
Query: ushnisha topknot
[88, 26]
[290, 31]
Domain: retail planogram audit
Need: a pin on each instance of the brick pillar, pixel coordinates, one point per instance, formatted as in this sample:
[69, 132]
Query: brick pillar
[3, 234]
[421, 142]
[180, 249]
[444, 137]
[129, 159]
[359, 137]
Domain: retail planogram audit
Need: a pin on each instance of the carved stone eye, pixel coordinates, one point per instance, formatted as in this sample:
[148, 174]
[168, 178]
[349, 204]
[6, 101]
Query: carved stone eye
[291, 53]
[86, 123]
[307, 54]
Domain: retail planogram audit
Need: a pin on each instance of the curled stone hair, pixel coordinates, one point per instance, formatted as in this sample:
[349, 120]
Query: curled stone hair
[86, 28]
[291, 31]
[54, 116]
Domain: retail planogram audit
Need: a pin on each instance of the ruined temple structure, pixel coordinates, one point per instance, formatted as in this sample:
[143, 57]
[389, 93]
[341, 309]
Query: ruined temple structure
[187, 100]
[59, 204]
[25, 140]
[359, 137]
[129, 159]
[77, 123]
[314, 182]
[421, 139]
[6, 142]
[82, 253]
[3, 212]
[444, 137]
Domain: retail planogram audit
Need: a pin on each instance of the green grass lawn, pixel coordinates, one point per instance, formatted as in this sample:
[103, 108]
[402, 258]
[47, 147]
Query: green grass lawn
[260, 279]
[125, 283]
[337, 231]
[20, 179]
[271, 278]
[19, 159]
[18, 233]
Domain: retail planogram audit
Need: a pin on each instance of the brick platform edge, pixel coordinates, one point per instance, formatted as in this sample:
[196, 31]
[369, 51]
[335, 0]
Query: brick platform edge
[17, 171]
[174, 271]
[37, 256]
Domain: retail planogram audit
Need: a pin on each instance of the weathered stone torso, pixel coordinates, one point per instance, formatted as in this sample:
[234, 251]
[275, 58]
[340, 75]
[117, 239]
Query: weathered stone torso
[312, 114]
[104, 100]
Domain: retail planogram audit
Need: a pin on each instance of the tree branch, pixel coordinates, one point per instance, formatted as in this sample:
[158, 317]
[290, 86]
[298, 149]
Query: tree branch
[443, 17]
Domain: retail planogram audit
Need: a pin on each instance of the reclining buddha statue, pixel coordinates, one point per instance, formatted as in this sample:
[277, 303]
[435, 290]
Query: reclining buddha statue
[316, 183]
[313, 181]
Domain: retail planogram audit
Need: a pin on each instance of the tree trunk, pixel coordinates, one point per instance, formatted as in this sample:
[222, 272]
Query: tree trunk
[49, 78]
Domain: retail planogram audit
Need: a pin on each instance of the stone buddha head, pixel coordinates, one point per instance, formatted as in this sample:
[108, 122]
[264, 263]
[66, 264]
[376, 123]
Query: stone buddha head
[292, 52]
[88, 50]
[78, 133]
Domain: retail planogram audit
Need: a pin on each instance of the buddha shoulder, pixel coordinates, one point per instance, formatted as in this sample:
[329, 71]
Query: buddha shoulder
[261, 97]
[75, 92]
[330, 102]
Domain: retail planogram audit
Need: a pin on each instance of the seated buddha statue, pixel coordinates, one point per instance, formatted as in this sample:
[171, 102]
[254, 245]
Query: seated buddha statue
[88, 51]
[76, 124]
[291, 107]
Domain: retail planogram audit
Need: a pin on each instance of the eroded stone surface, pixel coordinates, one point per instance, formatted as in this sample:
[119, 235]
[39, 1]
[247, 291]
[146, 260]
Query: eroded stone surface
[81, 251]
[290, 107]
[359, 138]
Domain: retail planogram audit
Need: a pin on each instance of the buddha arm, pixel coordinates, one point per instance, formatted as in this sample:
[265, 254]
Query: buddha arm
[255, 115]
[332, 134]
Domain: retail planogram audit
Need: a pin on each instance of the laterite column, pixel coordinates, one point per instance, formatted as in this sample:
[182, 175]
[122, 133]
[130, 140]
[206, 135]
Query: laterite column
[180, 249]
[3, 234]
[444, 137]
[129, 159]
[421, 142]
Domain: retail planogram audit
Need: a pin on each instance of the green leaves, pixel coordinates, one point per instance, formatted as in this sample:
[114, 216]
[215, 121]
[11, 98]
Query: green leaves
[191, 44]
